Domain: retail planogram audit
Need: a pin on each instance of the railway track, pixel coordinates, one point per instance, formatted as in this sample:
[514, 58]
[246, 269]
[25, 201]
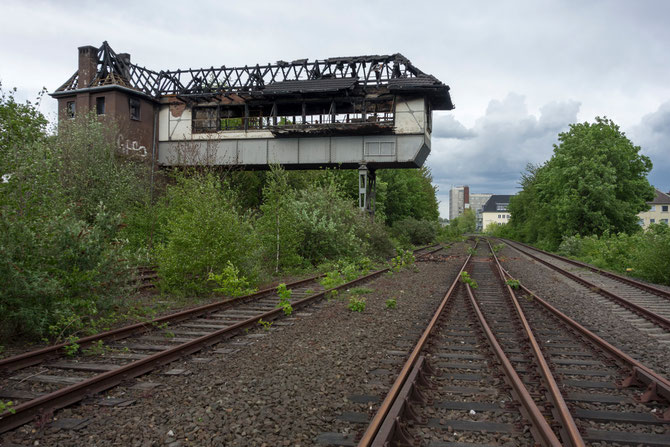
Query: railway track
[44, 380]
[646, 307]
[496, 362]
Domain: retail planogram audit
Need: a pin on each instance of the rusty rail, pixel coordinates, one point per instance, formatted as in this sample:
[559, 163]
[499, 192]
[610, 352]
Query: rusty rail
[384, 424]
[27, 411]
[655, 382]
[34, 357]
[40, 355]
[540, 427]
[646, 313]
[630, 281]
[379, 417]
[571, 432]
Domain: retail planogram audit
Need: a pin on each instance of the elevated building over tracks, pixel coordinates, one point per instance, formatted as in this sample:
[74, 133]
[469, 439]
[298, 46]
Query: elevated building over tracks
[364, 112]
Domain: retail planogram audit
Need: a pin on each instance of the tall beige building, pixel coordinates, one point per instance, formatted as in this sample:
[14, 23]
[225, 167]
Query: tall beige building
[460, 199]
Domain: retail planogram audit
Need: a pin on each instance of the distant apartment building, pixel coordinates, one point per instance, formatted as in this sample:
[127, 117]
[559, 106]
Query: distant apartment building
[460, 199]
[496, 210]
[658, 212]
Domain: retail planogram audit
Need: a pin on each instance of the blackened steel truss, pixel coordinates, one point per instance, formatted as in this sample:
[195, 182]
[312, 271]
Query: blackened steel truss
[394, 72]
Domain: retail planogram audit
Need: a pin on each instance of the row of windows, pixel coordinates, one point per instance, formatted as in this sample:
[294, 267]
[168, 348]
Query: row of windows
[503, 216]
[133, 104]
[664, 208]
[291, 115]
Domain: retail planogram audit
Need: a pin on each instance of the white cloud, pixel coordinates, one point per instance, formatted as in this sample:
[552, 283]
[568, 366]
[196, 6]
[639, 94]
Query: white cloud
[497, 148]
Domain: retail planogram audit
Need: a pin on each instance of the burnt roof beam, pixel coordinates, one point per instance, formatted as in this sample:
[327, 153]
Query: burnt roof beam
[369, 71]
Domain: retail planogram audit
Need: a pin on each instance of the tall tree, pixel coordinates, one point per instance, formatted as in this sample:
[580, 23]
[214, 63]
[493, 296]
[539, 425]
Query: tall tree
[595, 182]
[408, 193]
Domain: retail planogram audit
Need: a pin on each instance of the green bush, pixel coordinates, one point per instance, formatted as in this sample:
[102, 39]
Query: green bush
[58, 272]
[645, 254]
[414, 231]
[201, 231]
[230, 282]
[356, 304]
[61, 260]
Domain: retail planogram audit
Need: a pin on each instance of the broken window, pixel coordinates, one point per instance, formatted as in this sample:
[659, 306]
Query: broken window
[232, 118]
[295, 114]
[134, 104]
[205, 119]
[70, 109]
[100, 105]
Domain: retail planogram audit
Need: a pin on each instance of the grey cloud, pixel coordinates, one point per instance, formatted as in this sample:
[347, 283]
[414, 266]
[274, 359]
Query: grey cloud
[652, 134]
[501, 143]
[446, 126]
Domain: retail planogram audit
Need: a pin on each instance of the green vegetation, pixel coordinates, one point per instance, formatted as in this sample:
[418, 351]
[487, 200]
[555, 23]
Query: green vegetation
[284, 299]
[463, 224]
[411, 231]
[595, 183]
[645, 255]
[61, 242]
[72, 346]
[356, 304]
[391, 303]
[513, 283]
[77, 218]
[584, 203]
[360, 291]
[466, 279]
[265, 324]
[230, 283]
[404, 260]
[7, 407]
[332, 279]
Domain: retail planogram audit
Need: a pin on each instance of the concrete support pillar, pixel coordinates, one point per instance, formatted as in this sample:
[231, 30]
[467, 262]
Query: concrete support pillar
[367, 189]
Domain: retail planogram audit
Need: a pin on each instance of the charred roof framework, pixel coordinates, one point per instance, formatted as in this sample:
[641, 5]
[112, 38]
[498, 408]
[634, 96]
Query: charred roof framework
[349, 76]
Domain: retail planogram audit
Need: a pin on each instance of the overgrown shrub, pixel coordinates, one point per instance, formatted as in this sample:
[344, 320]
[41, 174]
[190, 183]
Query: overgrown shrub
[59, 266]
[645, 254]
[58, 272]
[91, 171]
[414, 231]
[201, 230]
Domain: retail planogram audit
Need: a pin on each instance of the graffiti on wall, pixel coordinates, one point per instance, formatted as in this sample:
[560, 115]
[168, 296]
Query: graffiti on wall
[132, 148]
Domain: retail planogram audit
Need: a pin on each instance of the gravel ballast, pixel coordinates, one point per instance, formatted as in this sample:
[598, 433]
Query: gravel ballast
[317, 375]
[585, 307]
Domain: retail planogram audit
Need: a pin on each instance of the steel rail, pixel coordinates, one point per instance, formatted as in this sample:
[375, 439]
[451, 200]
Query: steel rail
[390, 428]
[644, 312]
[34, 357]
[570, 432]
[37, 356]
[641, 372]
[24, 413]
[383, 424]
[540, 427]
[373, 428]
[630, 281]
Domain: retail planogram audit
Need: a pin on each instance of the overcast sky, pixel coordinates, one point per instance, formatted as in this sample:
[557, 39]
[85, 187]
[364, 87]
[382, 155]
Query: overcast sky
[520, 71]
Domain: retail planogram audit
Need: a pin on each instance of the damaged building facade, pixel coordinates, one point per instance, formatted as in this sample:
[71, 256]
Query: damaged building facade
[365, 112]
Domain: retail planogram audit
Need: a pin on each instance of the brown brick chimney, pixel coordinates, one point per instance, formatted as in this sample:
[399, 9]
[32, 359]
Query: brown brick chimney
[88, 65]
[466, 196]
